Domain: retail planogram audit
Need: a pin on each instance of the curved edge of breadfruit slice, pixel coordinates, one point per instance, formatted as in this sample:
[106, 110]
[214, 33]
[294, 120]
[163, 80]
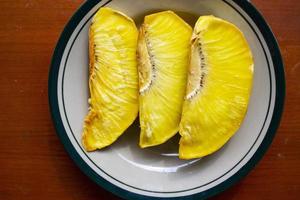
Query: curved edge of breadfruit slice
[218, 89]
[163, 56]
[113, 78]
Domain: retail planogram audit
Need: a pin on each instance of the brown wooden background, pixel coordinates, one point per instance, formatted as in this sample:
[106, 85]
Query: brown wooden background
[33, 163]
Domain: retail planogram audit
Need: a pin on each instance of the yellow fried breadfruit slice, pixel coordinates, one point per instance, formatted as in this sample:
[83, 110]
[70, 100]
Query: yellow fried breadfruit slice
[219, 84]
[163, 57]
[113, 80]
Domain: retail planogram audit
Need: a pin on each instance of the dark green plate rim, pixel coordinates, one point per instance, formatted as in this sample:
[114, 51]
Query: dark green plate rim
[278, 107]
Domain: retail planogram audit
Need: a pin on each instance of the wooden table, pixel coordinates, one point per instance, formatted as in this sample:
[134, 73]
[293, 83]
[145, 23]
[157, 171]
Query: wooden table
[33, 162]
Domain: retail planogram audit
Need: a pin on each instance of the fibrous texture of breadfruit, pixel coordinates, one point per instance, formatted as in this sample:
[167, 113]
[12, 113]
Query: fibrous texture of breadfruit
[113, 80]
[218, 87]
[163, 56]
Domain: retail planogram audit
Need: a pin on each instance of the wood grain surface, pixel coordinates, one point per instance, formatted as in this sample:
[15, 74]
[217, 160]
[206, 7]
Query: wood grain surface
[33, 162]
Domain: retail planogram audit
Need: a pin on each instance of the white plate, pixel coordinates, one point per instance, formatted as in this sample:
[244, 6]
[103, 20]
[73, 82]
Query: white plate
[134, 173]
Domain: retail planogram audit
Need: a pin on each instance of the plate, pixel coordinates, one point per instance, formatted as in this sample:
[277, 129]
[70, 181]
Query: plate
[133, 173]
